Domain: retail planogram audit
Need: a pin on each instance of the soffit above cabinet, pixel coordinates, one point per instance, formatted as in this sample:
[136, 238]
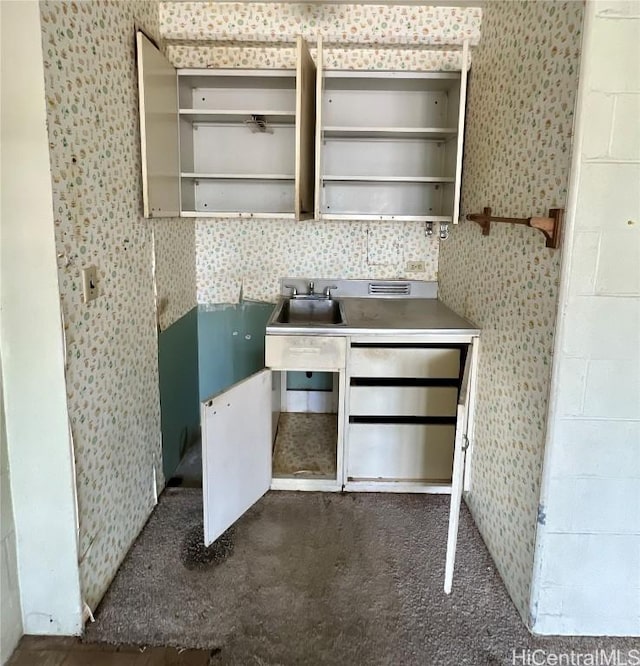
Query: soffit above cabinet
[408, 26]
[233, 56]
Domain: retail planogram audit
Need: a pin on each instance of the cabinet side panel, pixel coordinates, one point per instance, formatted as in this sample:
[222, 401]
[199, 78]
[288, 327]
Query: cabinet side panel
[318, 151]
[462, 102]
[158, 131]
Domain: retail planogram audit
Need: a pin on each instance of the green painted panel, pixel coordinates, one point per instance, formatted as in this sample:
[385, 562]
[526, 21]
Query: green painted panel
[179, 400]
[230, 344]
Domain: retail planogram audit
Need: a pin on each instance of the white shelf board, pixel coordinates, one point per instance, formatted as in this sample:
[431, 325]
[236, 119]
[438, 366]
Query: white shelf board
[208, 73]
[390, 75]
[435, 133]
[392, 81]
[237, 214]
[397, 218]
[391, 179]
[238, 176]
[237, 116]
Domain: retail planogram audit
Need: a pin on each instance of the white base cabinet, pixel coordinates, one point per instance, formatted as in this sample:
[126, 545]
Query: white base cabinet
[404, 424]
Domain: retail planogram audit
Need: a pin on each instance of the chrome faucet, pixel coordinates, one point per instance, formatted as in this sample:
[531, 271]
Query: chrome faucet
[327, 291]
[311, 291]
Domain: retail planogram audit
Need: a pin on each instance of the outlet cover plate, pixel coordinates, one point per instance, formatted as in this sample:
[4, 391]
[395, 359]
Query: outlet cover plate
[89, 283]
[415, 267]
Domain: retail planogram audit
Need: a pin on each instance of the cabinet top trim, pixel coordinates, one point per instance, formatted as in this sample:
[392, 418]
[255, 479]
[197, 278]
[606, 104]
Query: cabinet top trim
[390, 74]
[203, 71]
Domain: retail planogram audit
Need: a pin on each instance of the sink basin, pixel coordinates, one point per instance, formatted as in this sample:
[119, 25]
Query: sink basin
[309, 312]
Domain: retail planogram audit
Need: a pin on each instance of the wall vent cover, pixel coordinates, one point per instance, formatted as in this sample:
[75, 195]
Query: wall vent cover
[389, 288]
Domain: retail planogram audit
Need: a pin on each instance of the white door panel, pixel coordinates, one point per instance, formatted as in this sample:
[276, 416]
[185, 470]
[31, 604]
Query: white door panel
[459, 452]
[236, 452]
[158, 100]
[305, 135]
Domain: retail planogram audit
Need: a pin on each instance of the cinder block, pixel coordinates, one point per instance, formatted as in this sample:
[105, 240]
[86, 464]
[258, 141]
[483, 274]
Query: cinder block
[599, 327]
[599, 448]
[598, 109]
[614, 62]
[573, 373]
[612, 390]
[584, 261]
[619, 262]
[625, 143]
[608, 196]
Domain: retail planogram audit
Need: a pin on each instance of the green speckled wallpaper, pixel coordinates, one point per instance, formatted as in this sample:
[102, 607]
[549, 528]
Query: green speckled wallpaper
[516, 160]
[111, 343]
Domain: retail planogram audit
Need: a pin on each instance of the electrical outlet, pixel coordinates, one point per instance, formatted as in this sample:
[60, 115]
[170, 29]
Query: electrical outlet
[89, 283]
[415, 266]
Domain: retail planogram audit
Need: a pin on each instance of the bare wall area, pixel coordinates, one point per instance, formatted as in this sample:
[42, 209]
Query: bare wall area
[517, 159]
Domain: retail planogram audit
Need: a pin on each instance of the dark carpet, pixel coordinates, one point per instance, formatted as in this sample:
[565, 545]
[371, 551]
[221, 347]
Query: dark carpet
[318, 578]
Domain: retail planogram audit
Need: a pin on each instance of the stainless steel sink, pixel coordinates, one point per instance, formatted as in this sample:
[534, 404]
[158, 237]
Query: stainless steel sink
[305, 311]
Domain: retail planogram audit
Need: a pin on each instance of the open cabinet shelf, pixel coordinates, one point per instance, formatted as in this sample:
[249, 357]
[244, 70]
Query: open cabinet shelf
[238, 116]
[240, 176]
[418, 200]
[390, 179]
[434, 133]
[352, 145]
[228, 196]
[403, 130]
[226, 143]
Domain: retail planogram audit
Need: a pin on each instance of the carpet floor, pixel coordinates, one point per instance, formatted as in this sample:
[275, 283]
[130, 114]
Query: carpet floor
[318, 578]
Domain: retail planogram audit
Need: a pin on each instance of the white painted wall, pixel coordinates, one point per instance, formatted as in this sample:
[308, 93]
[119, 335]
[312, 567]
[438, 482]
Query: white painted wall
[10, 611]
[39, 447]
[587, 571]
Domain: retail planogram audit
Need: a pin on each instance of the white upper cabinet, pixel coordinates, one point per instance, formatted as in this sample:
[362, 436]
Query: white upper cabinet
[389, 144]
[337, 144]
[158, 131]
[246, 138]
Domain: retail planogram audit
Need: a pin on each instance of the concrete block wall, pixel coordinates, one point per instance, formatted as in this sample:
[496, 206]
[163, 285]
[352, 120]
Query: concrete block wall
[587, 573]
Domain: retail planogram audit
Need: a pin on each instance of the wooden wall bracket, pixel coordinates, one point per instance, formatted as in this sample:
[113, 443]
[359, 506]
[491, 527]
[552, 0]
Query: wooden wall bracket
[550, 226]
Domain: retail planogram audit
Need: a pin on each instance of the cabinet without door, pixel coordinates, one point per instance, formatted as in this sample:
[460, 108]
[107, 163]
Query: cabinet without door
[226, 143]
[389, 144]
[237, 428]
[353, 145]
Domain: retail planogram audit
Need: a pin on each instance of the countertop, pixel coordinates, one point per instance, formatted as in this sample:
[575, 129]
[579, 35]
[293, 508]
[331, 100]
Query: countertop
[390, 316]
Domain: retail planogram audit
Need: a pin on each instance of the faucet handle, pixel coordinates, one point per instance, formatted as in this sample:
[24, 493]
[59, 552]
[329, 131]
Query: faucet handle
[294, 289]
[311, 291]
[327, 290]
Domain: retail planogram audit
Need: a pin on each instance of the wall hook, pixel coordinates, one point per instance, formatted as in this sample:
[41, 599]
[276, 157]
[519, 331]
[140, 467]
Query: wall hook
[444, 230]
[550, 226]
[428, 229]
